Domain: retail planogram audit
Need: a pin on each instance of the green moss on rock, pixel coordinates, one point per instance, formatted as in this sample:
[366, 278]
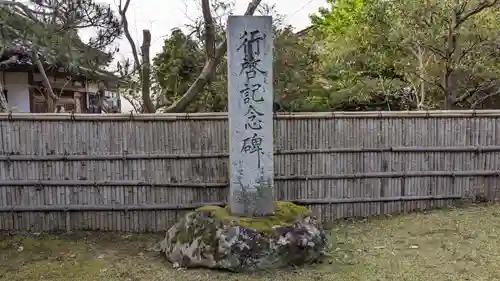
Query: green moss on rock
[184, 235]
[286, 213]
[211, 237]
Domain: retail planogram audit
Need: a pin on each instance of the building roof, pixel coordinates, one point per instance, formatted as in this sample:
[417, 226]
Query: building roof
[20, 33]
[305, 31]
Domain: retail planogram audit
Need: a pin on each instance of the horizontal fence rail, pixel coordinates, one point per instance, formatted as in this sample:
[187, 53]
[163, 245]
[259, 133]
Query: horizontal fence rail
[223, 115]
[126, 172]
[68, 157]
[276, 178]
[156, 207]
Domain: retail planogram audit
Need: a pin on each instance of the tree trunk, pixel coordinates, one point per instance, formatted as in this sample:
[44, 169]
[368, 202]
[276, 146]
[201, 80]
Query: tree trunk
[149, 107]
[50, 97]
[4, 107]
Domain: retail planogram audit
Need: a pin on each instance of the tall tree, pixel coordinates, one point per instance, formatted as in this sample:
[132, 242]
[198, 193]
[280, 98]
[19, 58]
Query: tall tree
[433, 54]
[214, 52]
[177, 66]
[49, 28]
[295, 63]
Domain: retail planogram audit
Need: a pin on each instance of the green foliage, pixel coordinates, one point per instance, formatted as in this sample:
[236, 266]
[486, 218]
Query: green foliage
[295, 64]
[50, 29]
[177, 66]
[403, 49]
[182, 58]
[367, 55]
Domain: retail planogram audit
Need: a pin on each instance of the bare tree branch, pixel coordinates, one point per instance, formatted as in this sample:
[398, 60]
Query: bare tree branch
[213, 53]
[208, 70]
[3, 101]
[488, 85]
[130, 98]
[484, 98]
[484, 4]
[122, 10]
[209, 29]
[145, 67]
[458, 17]
[466, 51]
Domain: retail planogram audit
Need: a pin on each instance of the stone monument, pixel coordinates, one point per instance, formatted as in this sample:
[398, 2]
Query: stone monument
[250, 73]
[253, 232]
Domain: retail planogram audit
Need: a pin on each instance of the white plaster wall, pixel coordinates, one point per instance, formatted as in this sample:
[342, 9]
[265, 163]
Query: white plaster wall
[16, 84]
[91, 87]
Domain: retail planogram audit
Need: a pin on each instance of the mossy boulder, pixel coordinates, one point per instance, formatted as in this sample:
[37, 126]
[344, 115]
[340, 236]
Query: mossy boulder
[211, 237]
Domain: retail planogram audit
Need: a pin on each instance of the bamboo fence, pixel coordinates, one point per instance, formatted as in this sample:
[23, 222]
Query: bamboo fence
[140, 173]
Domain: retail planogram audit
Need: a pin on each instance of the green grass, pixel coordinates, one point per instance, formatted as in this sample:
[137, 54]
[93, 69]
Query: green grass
[456, 244]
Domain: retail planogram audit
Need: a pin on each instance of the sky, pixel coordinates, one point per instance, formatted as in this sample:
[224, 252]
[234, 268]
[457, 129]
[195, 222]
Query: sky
[160, 17]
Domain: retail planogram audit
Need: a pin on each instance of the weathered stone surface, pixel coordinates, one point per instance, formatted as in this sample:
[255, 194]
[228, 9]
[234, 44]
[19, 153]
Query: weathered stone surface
[250, 106]
[211, 237]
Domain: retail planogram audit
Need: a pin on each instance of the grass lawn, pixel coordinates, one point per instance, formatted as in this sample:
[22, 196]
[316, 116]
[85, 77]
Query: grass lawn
[457, 244]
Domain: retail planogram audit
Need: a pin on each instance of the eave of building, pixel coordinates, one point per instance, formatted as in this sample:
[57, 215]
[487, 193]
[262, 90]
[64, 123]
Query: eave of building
[21, 51]
[305, 31]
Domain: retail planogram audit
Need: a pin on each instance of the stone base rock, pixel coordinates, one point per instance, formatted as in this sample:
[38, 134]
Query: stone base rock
[211, 237]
